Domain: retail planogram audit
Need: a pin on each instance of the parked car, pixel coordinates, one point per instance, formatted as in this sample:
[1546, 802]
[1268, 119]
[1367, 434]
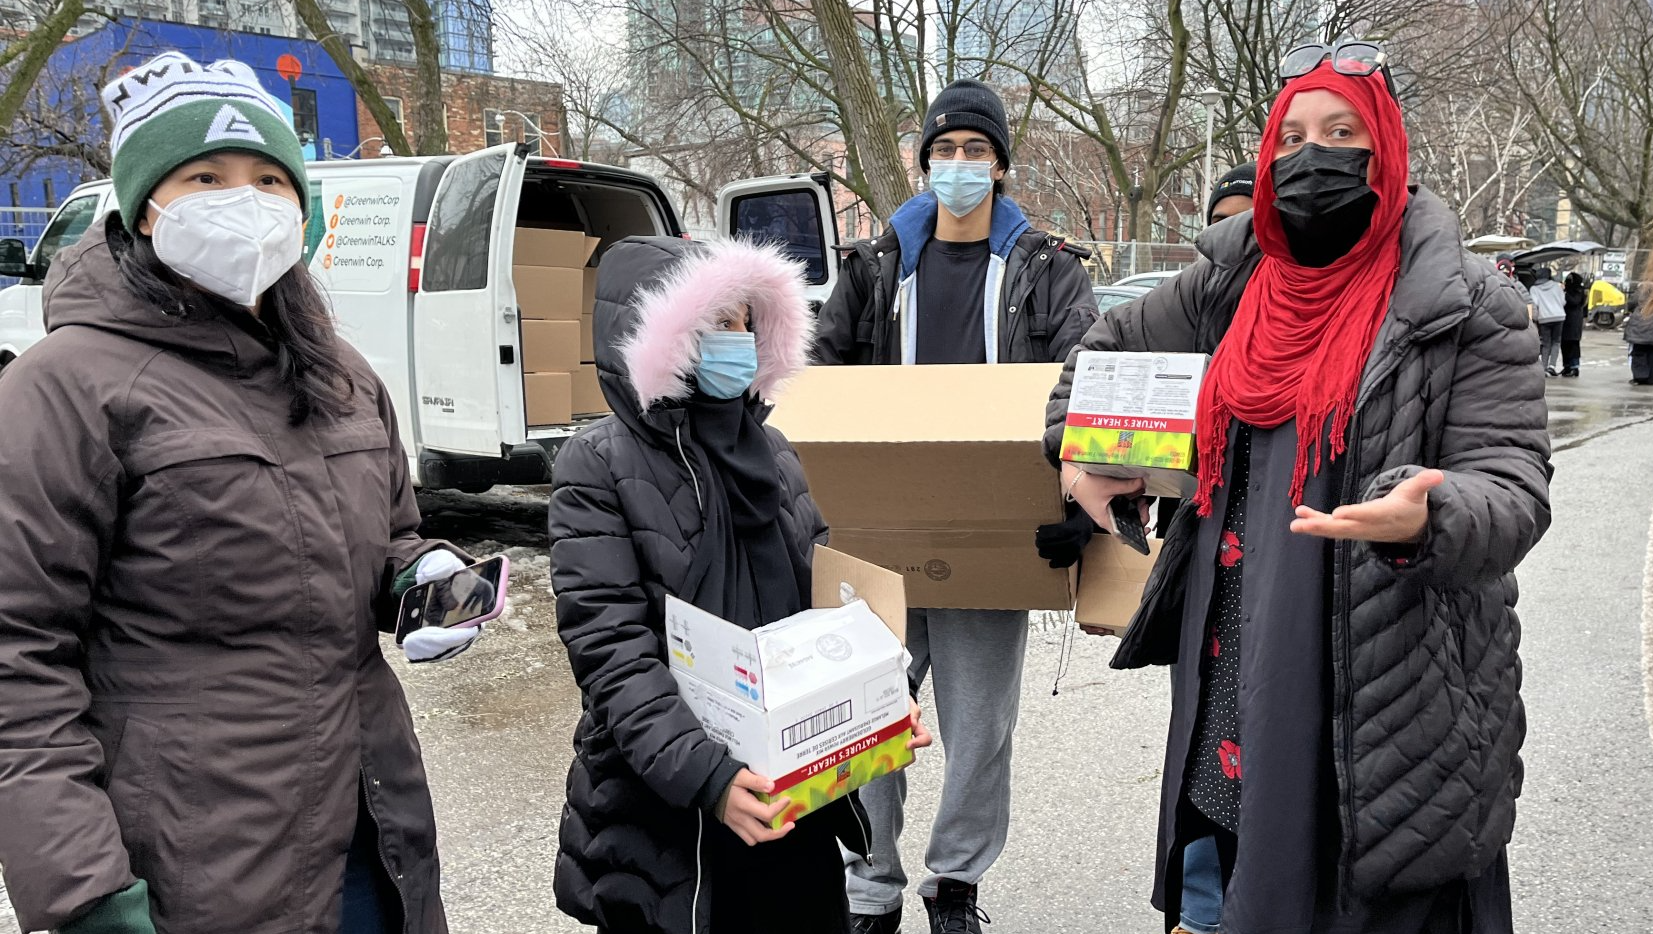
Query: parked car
[416, 255]
[1150, 280]
[1112, 296]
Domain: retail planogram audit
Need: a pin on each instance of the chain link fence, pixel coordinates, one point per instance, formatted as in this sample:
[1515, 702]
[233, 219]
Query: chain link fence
[26, 224]
[1111, 261]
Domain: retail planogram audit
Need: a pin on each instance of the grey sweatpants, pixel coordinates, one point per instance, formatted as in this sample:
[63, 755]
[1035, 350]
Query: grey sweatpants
[975, 657]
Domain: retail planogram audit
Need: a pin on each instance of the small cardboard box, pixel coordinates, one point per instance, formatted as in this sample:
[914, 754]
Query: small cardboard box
[550, 346]
[817, 702]
[536, 246]
[550, 293]
[1111, 580]
[548, 398]
[1132, 415]
[588, 339]
[588, 393]
[937, 472]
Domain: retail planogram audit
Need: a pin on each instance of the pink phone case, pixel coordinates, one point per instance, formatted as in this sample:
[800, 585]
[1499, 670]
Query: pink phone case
[499, 598]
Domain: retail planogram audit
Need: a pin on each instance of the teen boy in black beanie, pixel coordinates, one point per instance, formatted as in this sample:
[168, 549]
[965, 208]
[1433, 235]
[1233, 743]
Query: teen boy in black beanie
[960, 277]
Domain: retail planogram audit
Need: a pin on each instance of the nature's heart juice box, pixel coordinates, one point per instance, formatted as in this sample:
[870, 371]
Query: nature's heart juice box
[1132, 415]
[817, 702]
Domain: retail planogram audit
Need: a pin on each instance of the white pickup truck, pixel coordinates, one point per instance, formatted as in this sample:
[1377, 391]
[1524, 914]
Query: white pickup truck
[422, 285]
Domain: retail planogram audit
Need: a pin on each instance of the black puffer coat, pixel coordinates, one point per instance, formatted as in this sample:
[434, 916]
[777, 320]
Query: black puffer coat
[1427, 715]
[626, 523]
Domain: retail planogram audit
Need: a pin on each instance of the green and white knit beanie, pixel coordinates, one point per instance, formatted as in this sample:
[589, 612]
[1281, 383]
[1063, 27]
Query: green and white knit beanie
[170, 110]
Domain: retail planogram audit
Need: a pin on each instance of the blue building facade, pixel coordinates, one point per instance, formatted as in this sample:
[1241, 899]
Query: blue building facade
[323, 102]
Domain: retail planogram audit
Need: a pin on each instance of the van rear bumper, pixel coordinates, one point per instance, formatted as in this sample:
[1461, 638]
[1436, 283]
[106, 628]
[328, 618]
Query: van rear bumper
[524, 465]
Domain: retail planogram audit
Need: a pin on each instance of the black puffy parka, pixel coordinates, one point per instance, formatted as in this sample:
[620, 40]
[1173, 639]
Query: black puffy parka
[629, 526]
[1427, 720]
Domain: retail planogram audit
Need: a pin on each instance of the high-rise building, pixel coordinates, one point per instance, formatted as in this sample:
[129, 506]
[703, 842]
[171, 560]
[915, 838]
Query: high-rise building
[1003, 42]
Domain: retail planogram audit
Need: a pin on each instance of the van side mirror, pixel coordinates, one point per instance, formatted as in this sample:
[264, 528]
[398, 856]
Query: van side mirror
[14, 259]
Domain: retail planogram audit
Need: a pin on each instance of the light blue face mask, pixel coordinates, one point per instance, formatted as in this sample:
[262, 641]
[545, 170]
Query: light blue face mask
[728, 363]
[959, 185]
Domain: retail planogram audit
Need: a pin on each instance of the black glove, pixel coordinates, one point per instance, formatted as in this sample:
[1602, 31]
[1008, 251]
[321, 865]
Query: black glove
[1061, 543]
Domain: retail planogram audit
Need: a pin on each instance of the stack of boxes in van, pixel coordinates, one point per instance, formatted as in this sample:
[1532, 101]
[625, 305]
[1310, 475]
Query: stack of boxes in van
[556, 291]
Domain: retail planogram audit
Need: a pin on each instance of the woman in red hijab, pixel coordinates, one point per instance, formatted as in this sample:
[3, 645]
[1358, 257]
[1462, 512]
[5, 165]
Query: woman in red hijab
[1338, 597]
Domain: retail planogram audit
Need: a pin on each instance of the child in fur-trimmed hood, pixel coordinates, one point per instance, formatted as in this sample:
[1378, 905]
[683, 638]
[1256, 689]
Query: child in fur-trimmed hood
[684, 491]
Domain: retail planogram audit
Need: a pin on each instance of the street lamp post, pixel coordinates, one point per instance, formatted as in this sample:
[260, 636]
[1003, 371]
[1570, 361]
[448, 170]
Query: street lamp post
[499, 121]
[1211, 97]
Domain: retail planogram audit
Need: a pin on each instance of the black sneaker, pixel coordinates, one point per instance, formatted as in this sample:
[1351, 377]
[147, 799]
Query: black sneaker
[876, 924]
[954, 911]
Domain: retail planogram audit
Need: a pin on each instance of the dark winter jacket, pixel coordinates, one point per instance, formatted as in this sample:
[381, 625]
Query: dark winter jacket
[1427, 715]
[1045, 298]
[191, 687]
[1638, 319]
[627, 521]
[1576, 303]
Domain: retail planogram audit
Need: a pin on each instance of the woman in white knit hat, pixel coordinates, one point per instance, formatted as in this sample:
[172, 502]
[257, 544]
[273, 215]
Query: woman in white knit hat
[207, 519]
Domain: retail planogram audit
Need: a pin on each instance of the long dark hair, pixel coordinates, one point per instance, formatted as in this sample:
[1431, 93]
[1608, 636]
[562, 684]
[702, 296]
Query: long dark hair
[293, 312]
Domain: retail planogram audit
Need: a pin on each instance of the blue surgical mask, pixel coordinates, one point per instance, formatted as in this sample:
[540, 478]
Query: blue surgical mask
[728, 363]
[960, 186]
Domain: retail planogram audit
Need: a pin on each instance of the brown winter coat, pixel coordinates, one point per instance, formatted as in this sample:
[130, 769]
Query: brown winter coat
[191, 686]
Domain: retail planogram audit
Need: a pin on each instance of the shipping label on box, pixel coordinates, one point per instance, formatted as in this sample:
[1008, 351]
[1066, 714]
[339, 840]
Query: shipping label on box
[817, 702]
[1132, 415]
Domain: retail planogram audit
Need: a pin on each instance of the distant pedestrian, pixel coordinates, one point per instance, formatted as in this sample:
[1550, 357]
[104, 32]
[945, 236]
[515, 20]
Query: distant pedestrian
[1549, 304]
[684, 491]
[1576, 300]
[1638, 331]
[1338, 598]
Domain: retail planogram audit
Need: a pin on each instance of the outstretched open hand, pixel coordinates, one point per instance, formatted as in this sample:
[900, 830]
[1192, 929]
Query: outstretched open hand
[1398, 518]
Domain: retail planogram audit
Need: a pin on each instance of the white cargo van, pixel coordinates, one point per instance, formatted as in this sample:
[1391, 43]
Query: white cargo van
[416, 255]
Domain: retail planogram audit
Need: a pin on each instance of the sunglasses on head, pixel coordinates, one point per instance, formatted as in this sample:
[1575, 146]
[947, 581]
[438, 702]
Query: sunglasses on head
[1356, 59]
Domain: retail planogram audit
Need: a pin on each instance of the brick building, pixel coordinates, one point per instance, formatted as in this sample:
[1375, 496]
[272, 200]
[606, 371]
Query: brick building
[474, 105]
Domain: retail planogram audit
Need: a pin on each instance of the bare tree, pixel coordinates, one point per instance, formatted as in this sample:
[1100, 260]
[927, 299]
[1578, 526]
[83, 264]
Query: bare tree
[25, 57]
[61, 116]
[1582, 67]
[428, 108]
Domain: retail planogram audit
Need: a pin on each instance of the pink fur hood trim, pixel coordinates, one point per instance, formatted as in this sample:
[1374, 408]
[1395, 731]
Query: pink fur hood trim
[661, 354]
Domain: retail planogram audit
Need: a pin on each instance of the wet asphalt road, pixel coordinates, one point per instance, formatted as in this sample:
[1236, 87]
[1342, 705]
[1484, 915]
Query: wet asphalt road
[495, 724]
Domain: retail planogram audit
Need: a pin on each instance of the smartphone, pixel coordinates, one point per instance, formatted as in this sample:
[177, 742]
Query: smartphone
[471, 597]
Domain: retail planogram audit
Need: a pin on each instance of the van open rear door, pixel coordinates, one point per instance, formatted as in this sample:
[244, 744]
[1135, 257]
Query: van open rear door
[795, 211]
[467, 358]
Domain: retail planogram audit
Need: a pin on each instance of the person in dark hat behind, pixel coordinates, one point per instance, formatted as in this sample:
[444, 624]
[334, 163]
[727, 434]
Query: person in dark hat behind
[1232, 193]
[960, 277]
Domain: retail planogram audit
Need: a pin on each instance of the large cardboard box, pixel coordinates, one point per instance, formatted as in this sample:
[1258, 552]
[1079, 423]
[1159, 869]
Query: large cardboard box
[588, 393]
[550, 346]
[550, 293]
[937, 472]
[817, 702]
[548, 398]
[1111, 580]
[541, 247]
[588, 289]
[1131, 415]
[588, 339]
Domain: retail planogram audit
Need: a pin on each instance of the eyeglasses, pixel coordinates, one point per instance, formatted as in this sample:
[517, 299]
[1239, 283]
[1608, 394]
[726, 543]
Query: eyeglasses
[1356, 59]
[976, 150]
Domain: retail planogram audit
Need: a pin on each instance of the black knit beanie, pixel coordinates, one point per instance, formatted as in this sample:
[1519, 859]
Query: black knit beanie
[966, 104]
[1240, 182]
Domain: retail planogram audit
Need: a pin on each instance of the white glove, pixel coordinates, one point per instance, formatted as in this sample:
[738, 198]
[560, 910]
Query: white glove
[437, 565]
[436, 643]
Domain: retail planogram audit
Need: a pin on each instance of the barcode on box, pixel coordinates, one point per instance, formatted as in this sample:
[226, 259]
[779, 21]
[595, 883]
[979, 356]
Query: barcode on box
[815, 726]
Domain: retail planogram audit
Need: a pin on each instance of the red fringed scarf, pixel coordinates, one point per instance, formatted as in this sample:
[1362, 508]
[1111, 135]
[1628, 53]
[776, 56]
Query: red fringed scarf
[1301, 336]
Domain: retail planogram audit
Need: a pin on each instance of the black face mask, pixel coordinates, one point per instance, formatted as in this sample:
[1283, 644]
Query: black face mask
[1324, 202]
